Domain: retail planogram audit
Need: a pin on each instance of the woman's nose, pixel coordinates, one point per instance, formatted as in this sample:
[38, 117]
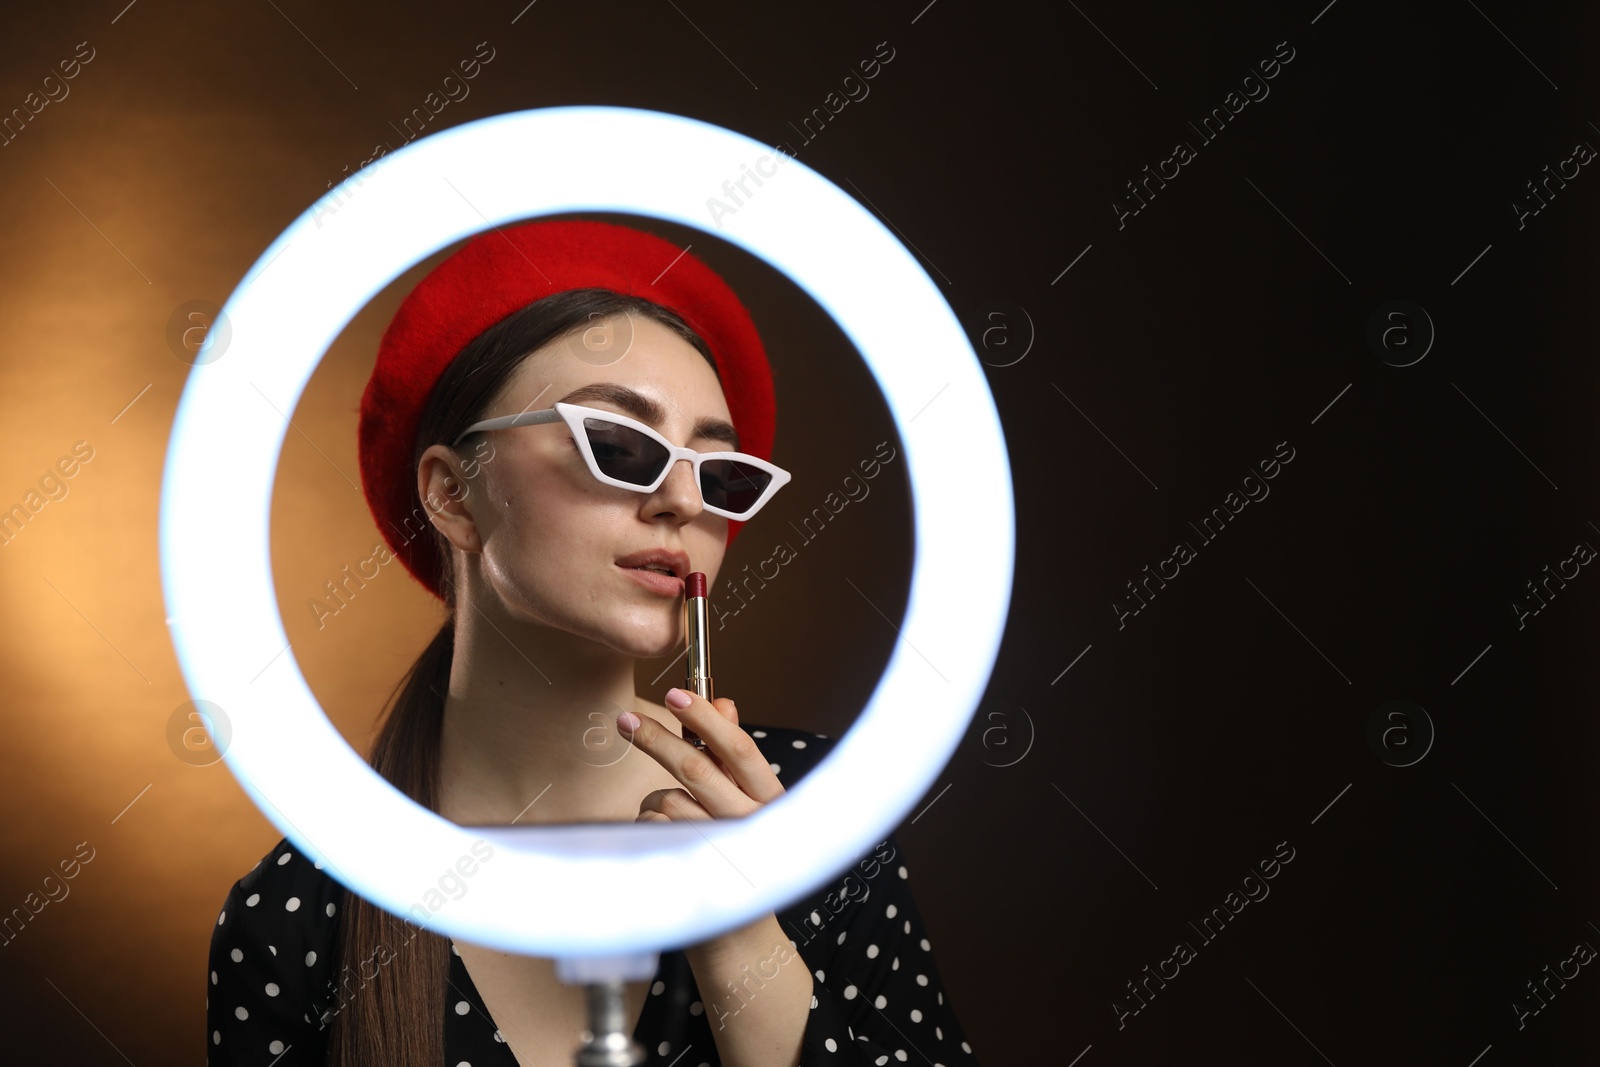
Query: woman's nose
[678, 492]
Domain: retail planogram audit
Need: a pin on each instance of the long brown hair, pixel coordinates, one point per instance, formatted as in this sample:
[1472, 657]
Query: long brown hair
[393, 1016]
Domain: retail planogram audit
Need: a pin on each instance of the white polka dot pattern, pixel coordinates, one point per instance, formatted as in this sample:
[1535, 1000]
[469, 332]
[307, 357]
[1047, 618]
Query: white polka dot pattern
[260, 1001]
[274, 1009]
[852, 933]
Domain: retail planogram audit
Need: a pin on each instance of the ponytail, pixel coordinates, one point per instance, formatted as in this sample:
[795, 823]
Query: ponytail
[390, 1017]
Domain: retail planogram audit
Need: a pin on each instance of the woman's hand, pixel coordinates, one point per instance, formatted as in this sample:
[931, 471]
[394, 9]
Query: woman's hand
[730, 779]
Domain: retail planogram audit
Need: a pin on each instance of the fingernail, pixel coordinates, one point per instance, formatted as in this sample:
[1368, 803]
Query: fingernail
[628, 721]
[677, 698]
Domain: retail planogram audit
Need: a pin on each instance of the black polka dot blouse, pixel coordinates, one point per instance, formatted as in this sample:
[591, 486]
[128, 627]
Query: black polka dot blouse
[877, 998]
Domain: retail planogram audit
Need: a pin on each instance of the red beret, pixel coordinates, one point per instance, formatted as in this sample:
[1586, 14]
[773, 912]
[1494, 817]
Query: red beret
[502, 271]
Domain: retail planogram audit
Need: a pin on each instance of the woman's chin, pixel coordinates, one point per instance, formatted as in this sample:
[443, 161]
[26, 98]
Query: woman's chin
[649, 640]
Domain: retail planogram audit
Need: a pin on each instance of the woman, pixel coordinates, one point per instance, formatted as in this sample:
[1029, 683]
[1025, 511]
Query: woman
[538, 538]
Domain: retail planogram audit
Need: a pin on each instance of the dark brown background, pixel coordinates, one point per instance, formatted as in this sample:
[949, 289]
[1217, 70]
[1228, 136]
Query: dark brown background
[1231, 314]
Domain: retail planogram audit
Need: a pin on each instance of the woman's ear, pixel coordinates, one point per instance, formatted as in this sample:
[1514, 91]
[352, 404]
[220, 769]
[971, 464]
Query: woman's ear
[443, 491]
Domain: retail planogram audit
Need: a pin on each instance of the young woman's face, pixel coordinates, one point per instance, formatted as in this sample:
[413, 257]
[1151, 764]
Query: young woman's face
[552, 533]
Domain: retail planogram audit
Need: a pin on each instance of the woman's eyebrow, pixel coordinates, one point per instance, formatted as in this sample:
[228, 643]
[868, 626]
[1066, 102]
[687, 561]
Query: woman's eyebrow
[647, 409]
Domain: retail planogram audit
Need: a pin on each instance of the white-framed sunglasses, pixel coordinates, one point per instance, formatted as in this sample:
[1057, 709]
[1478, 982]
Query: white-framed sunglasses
[630, 455]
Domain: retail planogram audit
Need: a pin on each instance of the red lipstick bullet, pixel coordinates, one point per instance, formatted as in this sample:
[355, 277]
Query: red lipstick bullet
[697, 631]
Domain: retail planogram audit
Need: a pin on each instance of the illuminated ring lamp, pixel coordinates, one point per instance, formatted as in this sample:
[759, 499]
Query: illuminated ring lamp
[603, 899]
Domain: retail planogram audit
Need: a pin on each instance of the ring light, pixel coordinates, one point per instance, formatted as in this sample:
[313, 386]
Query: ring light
[574, 891]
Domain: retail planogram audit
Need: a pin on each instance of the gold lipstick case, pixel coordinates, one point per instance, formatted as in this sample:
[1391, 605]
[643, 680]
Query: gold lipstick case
[698, 630]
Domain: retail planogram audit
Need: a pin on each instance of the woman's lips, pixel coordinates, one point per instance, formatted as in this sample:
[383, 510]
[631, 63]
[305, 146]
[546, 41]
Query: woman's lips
[655, 581]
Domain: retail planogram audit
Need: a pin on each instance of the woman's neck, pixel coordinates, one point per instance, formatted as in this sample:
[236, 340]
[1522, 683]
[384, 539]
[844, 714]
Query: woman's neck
[529, 732]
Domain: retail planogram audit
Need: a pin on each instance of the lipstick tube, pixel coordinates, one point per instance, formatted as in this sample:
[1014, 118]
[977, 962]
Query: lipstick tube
[697, 631]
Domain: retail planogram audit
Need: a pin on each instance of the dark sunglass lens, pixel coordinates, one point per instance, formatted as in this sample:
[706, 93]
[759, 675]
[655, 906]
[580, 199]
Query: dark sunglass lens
[624, 454]
[731, 485]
